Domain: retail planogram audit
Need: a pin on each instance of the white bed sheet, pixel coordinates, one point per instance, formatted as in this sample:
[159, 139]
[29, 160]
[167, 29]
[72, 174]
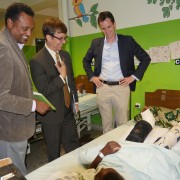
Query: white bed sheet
[87, 101]
[88, 107]
[70, 162]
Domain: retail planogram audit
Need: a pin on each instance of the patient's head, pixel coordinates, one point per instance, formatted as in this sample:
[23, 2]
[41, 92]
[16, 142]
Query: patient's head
[108, 174]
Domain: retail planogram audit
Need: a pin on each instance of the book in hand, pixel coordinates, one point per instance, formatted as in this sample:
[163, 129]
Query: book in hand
[41, 97]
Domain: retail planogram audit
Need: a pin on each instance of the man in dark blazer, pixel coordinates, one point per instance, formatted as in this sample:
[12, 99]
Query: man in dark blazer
[114, 72]
[49, 77]
[17, 107]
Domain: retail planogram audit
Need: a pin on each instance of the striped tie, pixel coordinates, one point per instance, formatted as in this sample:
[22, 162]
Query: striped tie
[65, 88]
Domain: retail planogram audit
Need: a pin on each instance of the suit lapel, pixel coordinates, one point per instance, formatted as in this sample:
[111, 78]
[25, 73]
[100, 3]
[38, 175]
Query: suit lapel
[18, 51]
[65, 60]
[121, 51]
[100, 51]
[48, 59]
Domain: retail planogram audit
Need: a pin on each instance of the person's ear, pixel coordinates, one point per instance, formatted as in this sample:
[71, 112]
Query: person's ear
[9, 23]
[115, 24]
[48, 37]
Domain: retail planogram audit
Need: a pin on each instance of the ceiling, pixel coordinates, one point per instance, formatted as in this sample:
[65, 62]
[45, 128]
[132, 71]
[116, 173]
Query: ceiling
[40, 7]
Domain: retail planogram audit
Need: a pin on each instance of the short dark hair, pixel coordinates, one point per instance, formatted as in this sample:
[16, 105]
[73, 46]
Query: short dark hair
[51, 25]
[104, 15]
[14, 10]
[112, 175]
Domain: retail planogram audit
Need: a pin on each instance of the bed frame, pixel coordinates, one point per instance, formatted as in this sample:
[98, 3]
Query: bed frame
[164, 98]
[86, 103]
[87, 84]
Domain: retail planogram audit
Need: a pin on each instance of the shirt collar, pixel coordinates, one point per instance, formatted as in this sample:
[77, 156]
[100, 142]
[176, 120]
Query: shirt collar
[20, 45]
[116, 40]
[50, 50]
[53, 53]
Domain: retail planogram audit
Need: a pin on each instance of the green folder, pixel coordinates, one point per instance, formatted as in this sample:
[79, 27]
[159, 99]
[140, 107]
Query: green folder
[41, 97]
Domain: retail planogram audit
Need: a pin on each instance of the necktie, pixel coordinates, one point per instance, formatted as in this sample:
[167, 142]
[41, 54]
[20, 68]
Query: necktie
[65, 88]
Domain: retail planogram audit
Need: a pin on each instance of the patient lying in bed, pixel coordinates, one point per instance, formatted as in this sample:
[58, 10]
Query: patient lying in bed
[128, 160]
[133, 161]
[137, 160]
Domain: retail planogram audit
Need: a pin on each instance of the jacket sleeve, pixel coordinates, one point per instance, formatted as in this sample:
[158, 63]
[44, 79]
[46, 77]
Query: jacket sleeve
[143, 58]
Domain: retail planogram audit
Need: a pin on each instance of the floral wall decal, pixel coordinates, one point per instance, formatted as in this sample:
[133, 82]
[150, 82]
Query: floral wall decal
[167, 6]
[82, 16]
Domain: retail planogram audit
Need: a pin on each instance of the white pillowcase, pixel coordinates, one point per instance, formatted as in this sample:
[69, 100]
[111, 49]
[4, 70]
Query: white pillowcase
[154, 134]
[148, 116]
[176, 147]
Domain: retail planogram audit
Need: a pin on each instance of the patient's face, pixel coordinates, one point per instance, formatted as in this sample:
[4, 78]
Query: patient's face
[111, 173]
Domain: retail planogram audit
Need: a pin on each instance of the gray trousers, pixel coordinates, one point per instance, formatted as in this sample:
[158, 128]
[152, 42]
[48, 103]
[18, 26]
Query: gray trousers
[16, 151]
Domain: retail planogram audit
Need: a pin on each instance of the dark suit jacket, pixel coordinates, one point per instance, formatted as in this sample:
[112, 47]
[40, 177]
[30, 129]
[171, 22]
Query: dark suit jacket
[47, 81]
[17, 122]
[128, 48]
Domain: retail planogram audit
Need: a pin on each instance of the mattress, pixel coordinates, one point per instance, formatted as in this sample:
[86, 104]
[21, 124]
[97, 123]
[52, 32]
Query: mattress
[87, 102]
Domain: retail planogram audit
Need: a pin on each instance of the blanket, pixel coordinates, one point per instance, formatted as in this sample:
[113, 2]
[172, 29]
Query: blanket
[136, 161]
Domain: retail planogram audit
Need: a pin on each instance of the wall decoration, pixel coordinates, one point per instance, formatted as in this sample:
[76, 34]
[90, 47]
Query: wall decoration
[175, 49]
[82, 16]
[159, 54]
[167, 6]
[164, 53]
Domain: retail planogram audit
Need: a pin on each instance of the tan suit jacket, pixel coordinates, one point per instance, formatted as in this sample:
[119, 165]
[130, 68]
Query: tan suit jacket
[17, 122]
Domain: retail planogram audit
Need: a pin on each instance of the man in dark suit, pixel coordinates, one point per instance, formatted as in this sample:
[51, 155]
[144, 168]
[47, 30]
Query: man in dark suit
[50, 74]
[114, 72]
[17, 107]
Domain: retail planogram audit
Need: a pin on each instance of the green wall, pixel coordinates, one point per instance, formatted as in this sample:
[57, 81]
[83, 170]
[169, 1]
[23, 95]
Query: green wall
[157, 76]
[29, 52]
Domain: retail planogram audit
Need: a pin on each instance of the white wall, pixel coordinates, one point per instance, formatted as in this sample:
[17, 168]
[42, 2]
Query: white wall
[127, 13]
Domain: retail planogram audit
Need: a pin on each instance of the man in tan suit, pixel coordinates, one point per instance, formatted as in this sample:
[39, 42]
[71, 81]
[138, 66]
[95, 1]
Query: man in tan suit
[17, 109]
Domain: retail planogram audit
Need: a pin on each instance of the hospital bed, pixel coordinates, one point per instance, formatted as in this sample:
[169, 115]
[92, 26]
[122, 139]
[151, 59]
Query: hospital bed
[87, 103]
[70, 161]
[87, 108]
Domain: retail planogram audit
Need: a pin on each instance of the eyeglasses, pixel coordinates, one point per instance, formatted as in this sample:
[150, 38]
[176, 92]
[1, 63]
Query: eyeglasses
[61, 38]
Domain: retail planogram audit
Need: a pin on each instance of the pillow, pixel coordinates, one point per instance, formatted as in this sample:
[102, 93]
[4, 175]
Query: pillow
[139, 132]
[164, 117]
[148, 116]
[170, 138]
[154, 134]
[176, 147]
